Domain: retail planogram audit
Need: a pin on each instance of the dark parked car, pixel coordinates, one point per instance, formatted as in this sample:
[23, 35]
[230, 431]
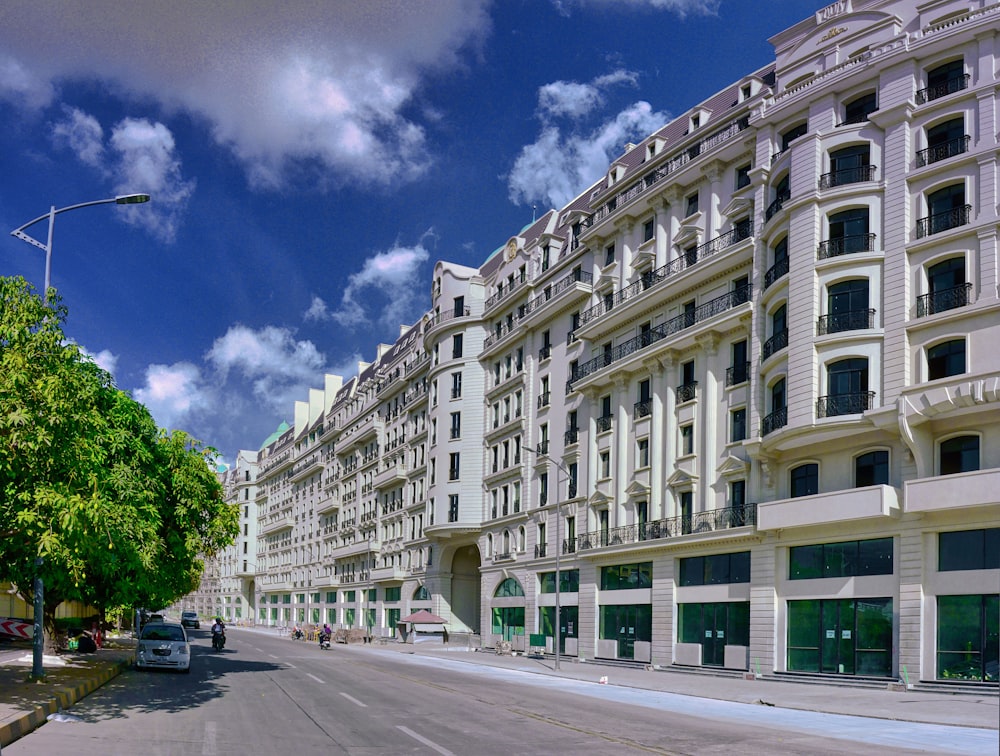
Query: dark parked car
[190, 619]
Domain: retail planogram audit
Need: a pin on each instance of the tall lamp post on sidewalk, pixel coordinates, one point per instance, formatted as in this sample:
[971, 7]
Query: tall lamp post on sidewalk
[38, 643]
[537, 451]
[121, 199]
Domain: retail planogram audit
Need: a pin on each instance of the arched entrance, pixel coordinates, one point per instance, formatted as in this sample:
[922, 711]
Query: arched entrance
[465, 590]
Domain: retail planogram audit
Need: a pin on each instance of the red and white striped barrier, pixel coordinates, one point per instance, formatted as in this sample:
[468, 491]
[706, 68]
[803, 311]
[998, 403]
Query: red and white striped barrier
[17, 628]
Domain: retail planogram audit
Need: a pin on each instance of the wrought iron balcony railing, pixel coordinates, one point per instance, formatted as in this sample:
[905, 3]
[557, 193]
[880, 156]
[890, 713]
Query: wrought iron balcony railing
[775, 207]
[775, 272]
[738, 374]
[697, 522]
[686, 391]
[943, 151]
[846, 245]
[846, 176]
[952, 85]
[938, 222]
[946, 299]
[604, 423]
[543, 399]
[641, 409]
[774, 344]
[571, 436]
[742, 230]
[545, 352]
[844, 404]
[675, 325]
[855, 320]
[540, 549]
[777, 419]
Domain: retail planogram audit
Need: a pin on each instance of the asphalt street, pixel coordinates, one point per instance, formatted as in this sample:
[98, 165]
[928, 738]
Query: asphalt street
[269, 695]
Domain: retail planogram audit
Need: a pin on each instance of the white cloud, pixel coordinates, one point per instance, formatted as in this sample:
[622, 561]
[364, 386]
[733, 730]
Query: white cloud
[682, 8]
[23, 86]
[570, 98]
[278, 368]
[557, 166]
[317, 312]
[328, 86]
[146, 161]
[388, 290]
[172, 393]
[82, 134]
[105, 359]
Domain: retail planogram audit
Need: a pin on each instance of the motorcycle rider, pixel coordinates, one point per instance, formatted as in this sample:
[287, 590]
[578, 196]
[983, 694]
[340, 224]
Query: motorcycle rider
[219, 633]
[325, 634]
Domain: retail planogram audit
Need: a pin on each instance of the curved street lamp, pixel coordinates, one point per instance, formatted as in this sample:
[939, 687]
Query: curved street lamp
[38, 643]
[121, 199]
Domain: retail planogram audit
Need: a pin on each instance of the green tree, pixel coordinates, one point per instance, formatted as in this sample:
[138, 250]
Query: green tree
[119, 510]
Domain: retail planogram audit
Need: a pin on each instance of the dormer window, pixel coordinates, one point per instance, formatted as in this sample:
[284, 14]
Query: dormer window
[650, 150]
[695, 121]
[746, 91]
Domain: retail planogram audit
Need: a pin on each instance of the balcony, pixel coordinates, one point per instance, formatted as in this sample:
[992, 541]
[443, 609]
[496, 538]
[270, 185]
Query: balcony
[657, 175]
[686, 392]
[844, 404]
[505, 557]
[578, 280]
[943, 151]
[443, 317]
[946, 299]
[711, 521]
[870, 503]
[776, 271]
[571, 436]
[277, 524]
[776, 204]
[540, 550]
[503, 293]
[543, 399]
[738, 374]
[641, 409]
[388, 574]
[952, 85]
[938, 222]
[741, 231]
[395, 473]
[855, 175]
[664, 330]
[771, 423]
[845, 245]
[854, 320]
[774, 344]
[545, 352]
[950, 492]
[604, 423]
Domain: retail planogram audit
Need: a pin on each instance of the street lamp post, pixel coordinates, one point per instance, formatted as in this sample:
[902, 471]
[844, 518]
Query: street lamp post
[121, 199]
[37, 669]
[558, 620]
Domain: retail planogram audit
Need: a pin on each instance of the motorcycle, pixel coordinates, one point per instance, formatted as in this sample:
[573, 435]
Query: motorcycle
[218, 640]
[324, 641]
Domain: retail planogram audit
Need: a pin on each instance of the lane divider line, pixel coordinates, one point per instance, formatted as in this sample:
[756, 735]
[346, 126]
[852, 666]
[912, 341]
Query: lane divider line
[321, 682]
[353, 700]
[429, 743]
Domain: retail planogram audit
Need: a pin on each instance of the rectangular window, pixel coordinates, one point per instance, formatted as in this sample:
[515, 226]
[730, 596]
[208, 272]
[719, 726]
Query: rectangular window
[738, 424]
[609, 254]
[687, 439]
[454, 460]
[622, 577]
[605, 464]
[456, 346]
[452, 508]
[969, 550]
[717, 569]
[569, 581]
[846, 559]
[692, 204]
[967, 637]
[648, 230]
[392, 593]
[456, 424]
[456, 385]
[642, 452]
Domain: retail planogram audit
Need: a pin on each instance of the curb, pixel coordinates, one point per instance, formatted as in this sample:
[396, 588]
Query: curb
[62, 698]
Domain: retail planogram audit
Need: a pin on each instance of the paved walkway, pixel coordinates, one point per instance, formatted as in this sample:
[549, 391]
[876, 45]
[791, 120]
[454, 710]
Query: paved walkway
[24, 705]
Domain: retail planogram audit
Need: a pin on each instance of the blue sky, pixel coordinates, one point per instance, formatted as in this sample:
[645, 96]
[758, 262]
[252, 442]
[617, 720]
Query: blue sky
[309, 162]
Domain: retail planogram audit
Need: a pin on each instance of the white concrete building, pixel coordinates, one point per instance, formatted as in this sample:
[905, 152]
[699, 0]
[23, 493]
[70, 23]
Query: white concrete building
[753, 365]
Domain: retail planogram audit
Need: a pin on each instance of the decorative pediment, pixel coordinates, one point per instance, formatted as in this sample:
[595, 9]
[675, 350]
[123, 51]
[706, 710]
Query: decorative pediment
[738, 207]
[598, 499]
[734, 467]
[689, 233]
[682, 479]
[637, 490]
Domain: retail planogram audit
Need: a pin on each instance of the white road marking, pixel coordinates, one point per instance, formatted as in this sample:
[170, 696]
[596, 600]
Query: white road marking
[272, 656]
[425, 741]
[352, 699]
[321, 682]
[209, 747]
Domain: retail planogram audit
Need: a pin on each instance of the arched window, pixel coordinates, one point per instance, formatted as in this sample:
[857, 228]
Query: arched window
[946, 359]
[509, 587]
[521, 540]
[421, 594]
[804, 480]
[847, 388]
[959, 454]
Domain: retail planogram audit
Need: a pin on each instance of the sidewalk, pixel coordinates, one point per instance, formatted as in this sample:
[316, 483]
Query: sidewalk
[929, 707]
[24, 705]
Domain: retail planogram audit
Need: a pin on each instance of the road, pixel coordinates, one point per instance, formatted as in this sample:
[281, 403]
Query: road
[269, 695]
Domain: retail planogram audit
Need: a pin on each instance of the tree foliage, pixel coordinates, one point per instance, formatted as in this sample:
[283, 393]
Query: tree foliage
[120, 511]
